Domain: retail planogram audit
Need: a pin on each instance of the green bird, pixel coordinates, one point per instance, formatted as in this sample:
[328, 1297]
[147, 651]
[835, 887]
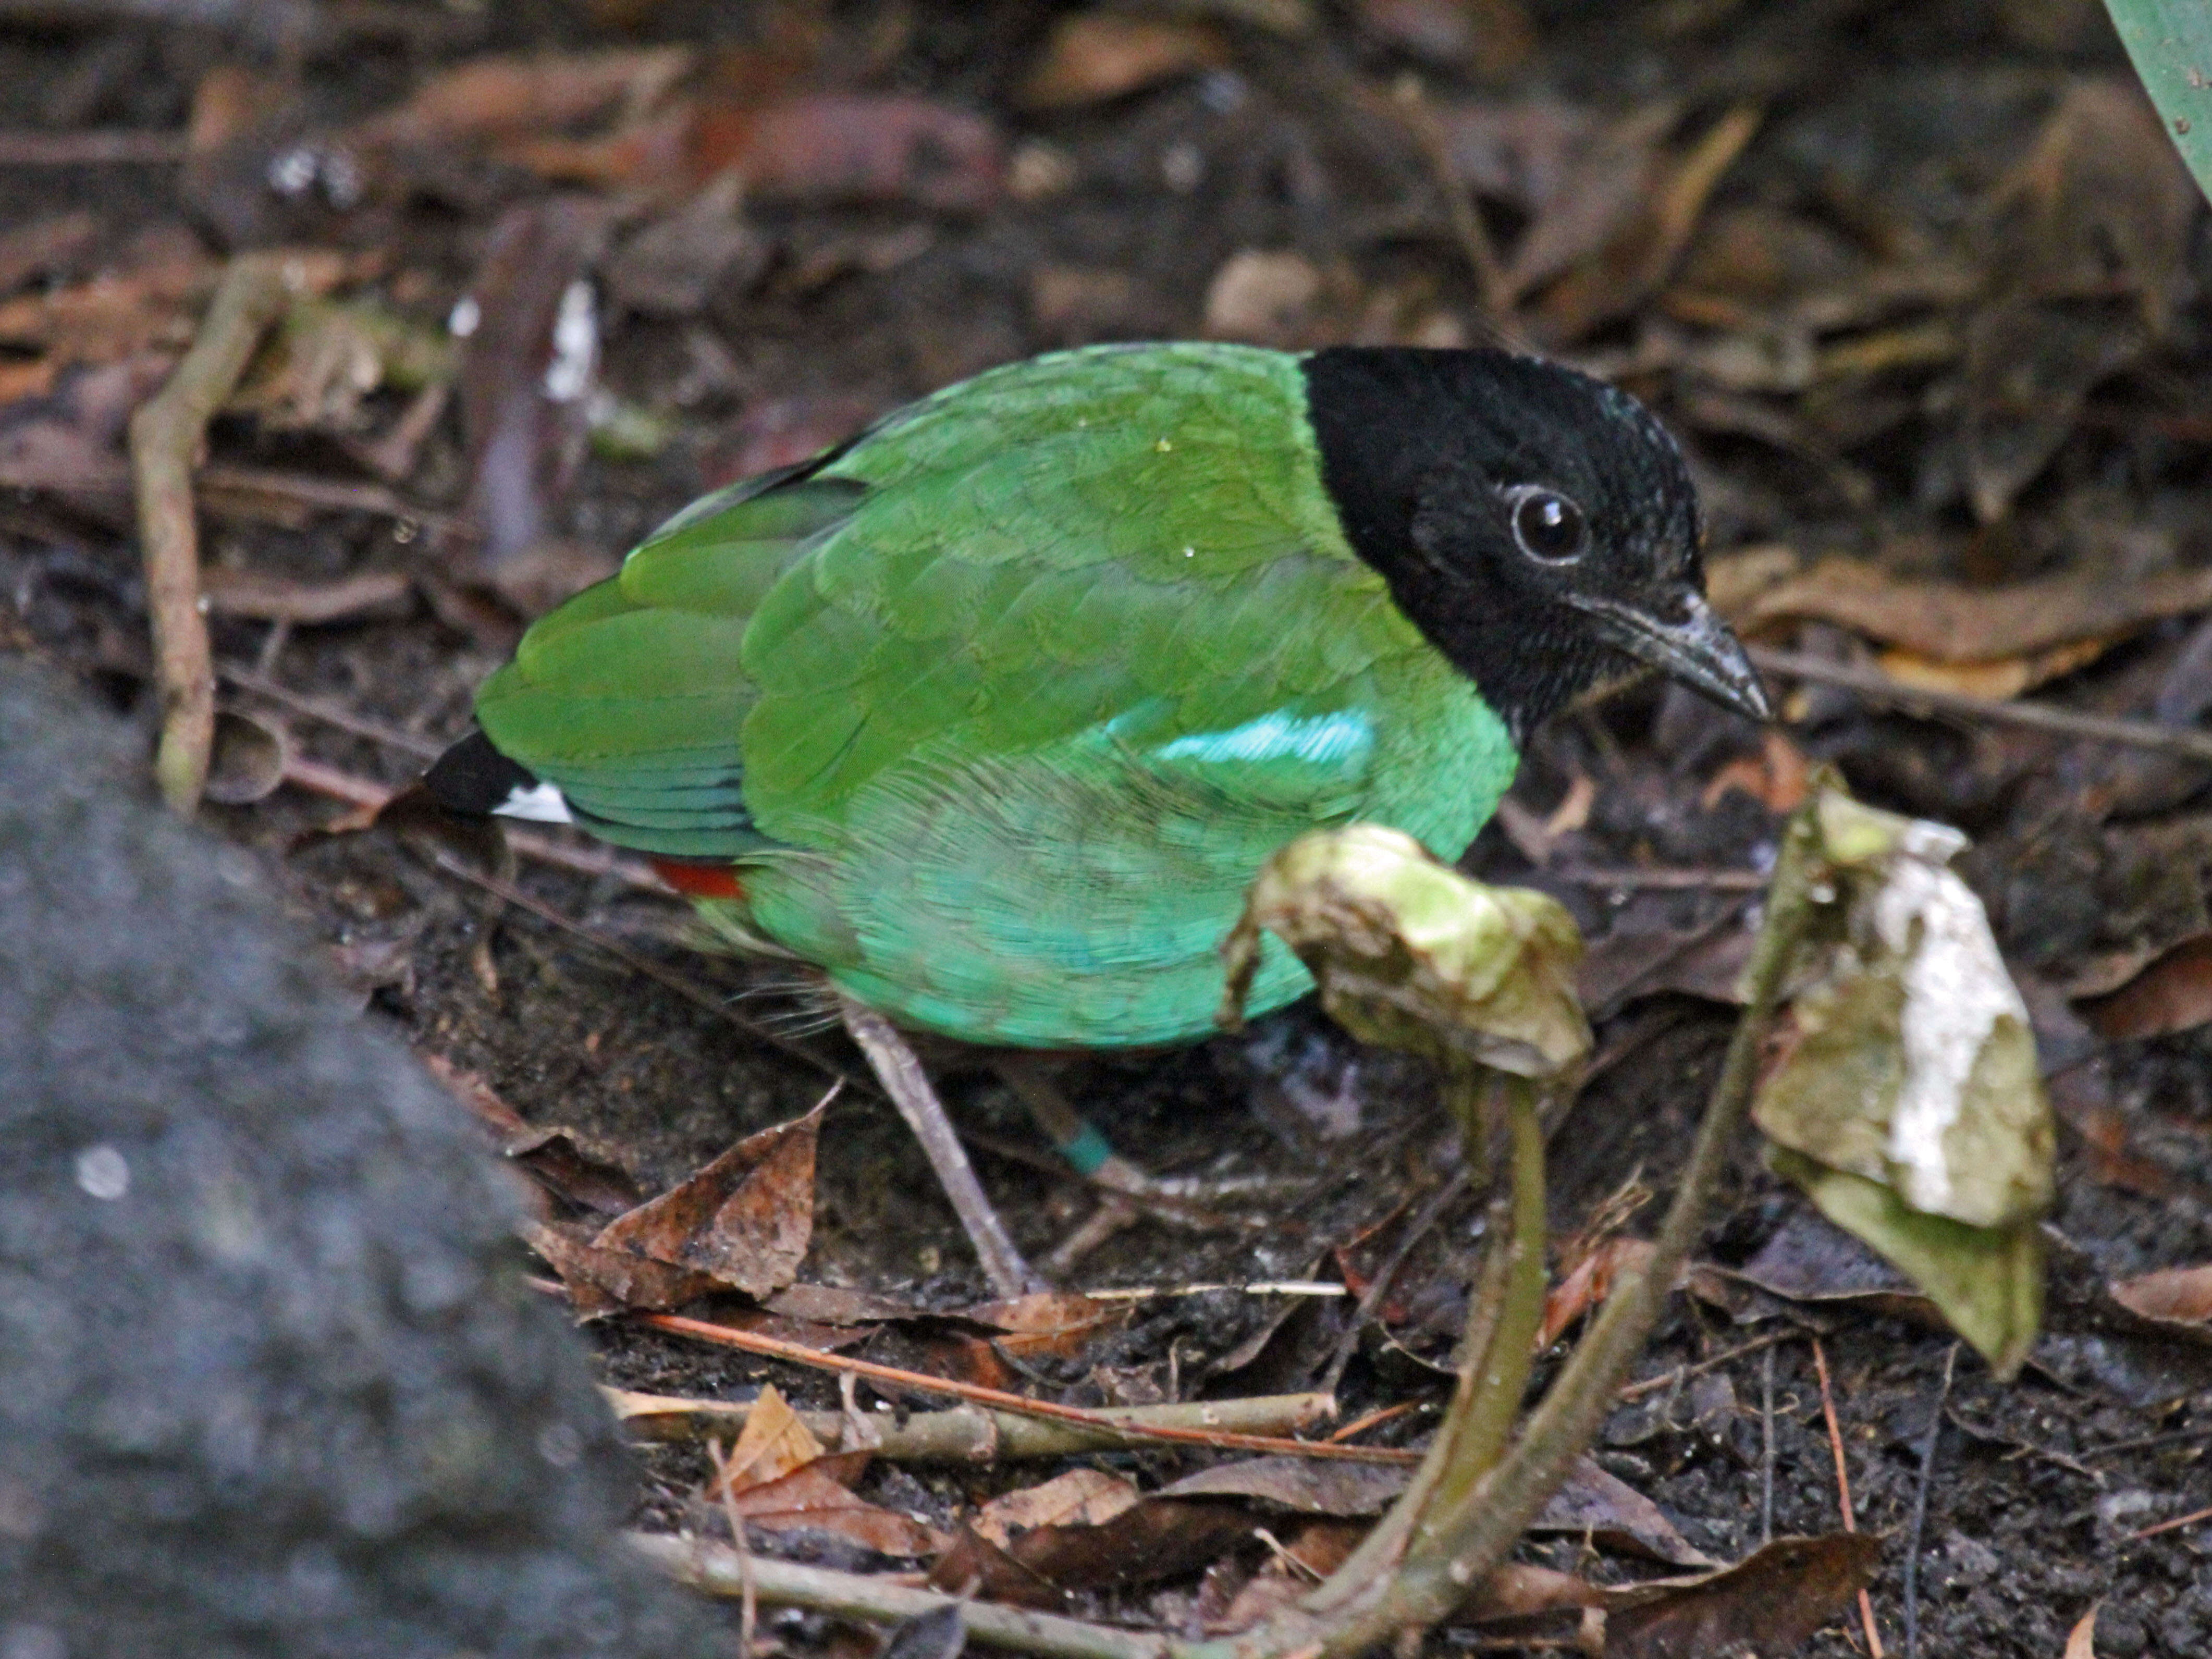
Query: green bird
[993, 713]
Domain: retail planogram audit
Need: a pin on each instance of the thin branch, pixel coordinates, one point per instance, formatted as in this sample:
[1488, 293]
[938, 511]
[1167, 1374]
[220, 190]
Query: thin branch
[1844, 1487]
[969, 1436]
[1877, 687]
[1766, 1448]
[330, 713]
[167, 436]
[95, 147]
[717, 1570]
[1119, 1423]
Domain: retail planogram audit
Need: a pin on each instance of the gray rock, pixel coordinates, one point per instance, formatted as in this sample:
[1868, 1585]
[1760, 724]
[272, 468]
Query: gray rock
[269, 1381]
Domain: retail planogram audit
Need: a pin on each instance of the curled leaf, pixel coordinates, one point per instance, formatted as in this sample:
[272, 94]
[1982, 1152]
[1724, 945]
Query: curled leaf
[1412, 955]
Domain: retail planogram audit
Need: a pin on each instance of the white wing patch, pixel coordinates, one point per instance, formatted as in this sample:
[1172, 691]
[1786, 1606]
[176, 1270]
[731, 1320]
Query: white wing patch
[542, 804]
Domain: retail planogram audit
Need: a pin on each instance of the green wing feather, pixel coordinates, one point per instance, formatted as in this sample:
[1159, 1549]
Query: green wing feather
[1002, 708]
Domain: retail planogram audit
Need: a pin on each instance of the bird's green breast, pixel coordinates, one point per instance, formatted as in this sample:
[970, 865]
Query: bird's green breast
[1019, 713]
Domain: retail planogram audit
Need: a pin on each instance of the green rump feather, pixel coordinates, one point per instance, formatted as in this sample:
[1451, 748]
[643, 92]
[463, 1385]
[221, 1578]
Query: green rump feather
[997, 711]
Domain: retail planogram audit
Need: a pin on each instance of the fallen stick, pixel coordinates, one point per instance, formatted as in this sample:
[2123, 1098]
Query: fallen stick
[167, 436]
[717, 1570]
[1877, 687]
[968, 1434]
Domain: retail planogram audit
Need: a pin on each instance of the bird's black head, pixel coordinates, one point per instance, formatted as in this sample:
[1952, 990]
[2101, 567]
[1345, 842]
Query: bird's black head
[1537, 526]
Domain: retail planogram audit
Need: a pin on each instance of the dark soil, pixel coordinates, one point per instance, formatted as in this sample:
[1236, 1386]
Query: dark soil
[1878, 125]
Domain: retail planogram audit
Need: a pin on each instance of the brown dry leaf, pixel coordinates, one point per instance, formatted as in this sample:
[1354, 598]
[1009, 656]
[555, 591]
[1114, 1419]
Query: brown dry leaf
[773, 1443]
[1495, 38]
[1589, 1283]
[1594, 1503]
[2030, 367]
[602, 1283]
[1266, 296]
[1648, 242]
[816, 1498]
[492, 97]
[1949, 622]
[45, 247]
[2081, 1640]
[745, 1220]
[1080, 1497]
[1318, 1548]
[1343, 1490]
[2183, 1295]
[2102, 198]
[1056, 1324]
[575, 1167]
[1093, 56]
[1771, 1602]
[1777, 777]
[2173, 993]
[2007, 676]
[854, 146]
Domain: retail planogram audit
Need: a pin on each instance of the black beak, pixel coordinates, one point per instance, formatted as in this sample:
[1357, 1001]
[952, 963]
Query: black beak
[1699, 650]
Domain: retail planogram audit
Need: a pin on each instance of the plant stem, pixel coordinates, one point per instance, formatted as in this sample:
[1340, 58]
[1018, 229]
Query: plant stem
[1462, 1543]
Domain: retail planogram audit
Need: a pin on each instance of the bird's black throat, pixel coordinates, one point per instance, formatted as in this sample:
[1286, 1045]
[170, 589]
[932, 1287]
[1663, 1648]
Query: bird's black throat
[1389, 422]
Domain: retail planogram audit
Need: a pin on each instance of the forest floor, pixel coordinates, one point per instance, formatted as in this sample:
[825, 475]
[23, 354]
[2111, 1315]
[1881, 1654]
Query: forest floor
[1922, 289]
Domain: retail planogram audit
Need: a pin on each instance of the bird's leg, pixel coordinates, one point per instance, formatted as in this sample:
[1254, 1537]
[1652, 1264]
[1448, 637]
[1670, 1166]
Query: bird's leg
[900, 1071]
[1089, 1154]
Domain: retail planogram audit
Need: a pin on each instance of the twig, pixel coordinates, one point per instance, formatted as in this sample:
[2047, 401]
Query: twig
[94, 148]
[328, 494]
[1627, 875]
[1120, 1424]
[1375, 1419]
[167, 436]
[1683, 1373]
[1410, 101]
[688, 989]
[904, 1079]
[1877, 686]
[343, 719]
[717, 1570]
[1844, 1486]
[1766, 1448]
[969, 1436]
[1920, 1508]
[1379, 1287]
[2188, 1520]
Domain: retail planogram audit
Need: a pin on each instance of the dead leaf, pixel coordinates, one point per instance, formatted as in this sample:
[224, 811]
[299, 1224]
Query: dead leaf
[1596, 1503]
[601, 1283]
[745, 1220]
[2007, 676]
[2030, 367]
[2081, 1640]
[1080, 1497]
[2183, 1295]
[2173, 993]
[247, 761]
[773, 1443]
[1948, 622]
[1494, 38]
[45, 247]
[492, 97]
[1095, 55]
[853, 147]
[1589, 1284]
[1343, 1490]
[1777, 777]
[575, 1167]
[1263, 296]
[1771, 1602]
[1055, 1324]
[816, 1498]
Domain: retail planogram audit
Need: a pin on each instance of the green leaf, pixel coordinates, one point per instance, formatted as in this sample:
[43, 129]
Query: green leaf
[2170, 42]
[1987, 1280]
[1412, 955]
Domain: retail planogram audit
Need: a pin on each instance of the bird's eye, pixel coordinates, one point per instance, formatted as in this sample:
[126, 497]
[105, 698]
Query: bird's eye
[1547, 525]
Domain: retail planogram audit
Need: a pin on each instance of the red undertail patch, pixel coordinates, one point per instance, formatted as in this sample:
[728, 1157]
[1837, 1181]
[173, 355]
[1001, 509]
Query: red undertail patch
[707, 881]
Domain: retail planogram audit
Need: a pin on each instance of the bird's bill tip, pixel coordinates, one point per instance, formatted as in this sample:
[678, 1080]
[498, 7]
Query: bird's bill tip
[1698, 649]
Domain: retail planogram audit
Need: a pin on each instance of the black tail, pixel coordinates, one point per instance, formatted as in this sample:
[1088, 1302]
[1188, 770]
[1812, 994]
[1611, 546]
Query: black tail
[474, 778]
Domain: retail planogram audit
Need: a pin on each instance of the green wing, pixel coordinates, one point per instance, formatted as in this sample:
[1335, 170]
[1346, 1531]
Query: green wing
[1003, 719]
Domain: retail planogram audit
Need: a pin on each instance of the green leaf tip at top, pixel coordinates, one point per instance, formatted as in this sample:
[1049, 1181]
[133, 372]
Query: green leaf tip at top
[1412, 955]
[2170, 43]
[1908, 1102]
